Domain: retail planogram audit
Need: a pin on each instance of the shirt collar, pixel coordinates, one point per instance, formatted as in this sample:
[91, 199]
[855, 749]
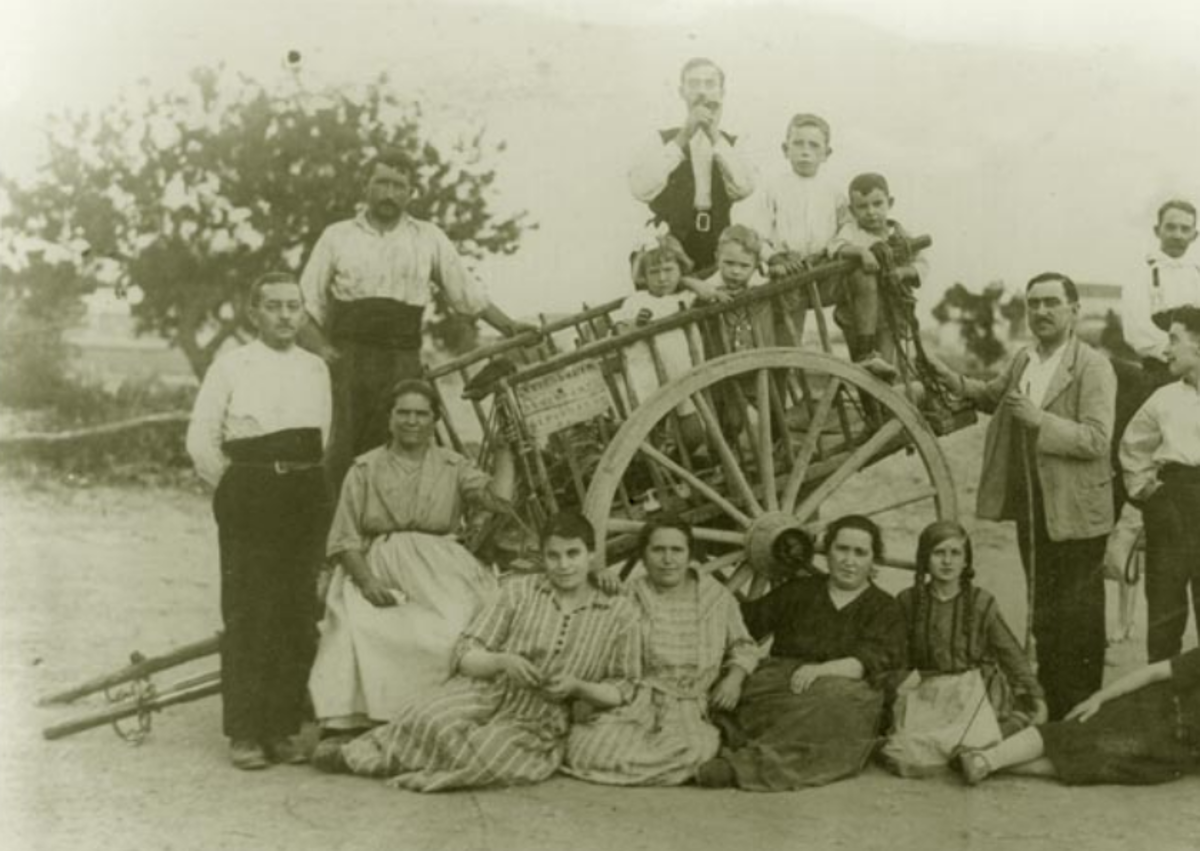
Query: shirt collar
[363, 222]
[597, 599]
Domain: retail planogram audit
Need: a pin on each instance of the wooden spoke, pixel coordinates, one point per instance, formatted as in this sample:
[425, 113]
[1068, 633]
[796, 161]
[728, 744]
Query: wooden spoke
[722, 562]
[733, 472]
[791, 491]
[740, 577]
[857, 460]
[695, 483]
[766, 447]
[624, 526]
[920, 496]
[759, 585]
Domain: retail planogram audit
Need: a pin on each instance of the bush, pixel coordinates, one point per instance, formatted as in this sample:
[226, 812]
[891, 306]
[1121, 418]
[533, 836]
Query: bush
[149, 454]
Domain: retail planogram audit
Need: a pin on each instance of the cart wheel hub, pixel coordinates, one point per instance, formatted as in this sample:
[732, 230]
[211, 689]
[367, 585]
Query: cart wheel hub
[767, 540]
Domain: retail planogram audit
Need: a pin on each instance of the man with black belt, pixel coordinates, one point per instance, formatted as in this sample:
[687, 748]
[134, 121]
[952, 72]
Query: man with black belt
[1169, 279]
[1046, 465]
[691, 175]
[366, 286]
[1160, 455]
[257, 435]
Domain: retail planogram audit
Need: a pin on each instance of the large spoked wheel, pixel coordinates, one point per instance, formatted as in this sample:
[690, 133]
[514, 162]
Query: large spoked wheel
[779, 439]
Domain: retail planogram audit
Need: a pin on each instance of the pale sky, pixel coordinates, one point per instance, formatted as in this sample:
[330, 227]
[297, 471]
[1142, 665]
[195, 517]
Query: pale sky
[1021, 134]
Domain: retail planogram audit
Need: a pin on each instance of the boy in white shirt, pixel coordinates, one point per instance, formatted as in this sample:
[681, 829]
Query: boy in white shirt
[799, 211]
[257, 435]
[1169, 279]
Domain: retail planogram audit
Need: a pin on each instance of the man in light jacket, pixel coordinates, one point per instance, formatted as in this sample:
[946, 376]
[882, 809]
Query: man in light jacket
[1046, 465]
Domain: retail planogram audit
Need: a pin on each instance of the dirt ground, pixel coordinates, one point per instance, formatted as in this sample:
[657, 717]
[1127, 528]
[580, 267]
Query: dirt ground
[92, 574]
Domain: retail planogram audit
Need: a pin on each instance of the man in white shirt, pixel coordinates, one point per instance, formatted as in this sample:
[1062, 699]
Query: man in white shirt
[1160, 456]
[692, 175]
[1047, 465]
[257, 436]
[1169, 279]
[366, 286]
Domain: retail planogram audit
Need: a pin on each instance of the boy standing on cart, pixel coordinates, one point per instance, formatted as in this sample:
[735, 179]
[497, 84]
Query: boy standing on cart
[257, 436]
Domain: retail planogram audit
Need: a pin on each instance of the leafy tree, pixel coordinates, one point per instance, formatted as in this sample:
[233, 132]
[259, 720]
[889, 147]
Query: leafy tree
[184, 197]
[976, 317]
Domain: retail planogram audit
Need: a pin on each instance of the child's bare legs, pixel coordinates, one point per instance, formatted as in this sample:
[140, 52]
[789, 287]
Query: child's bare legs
[1022, 753]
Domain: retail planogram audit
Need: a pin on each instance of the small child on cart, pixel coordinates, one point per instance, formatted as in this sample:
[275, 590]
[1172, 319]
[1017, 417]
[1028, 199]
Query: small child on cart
[658, 270]
[873, 235]
[739, 253]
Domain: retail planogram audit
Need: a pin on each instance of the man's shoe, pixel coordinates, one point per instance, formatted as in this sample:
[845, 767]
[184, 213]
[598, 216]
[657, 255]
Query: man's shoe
[285, 752]
[247, 756]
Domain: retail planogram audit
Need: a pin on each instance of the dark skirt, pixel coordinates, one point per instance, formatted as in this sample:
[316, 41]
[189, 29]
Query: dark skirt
[1136, 739]
[776, 740]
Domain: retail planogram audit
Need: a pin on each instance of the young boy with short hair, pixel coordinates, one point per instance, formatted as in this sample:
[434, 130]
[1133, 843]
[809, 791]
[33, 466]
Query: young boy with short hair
[739, 253]
[858, 312]
[798, 212]
[257, 435]
[1160, 457]
[1169, 279]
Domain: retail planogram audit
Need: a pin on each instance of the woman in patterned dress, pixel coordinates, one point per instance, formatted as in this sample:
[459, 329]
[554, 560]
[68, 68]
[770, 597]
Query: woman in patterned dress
[549, 640]
[696, 653]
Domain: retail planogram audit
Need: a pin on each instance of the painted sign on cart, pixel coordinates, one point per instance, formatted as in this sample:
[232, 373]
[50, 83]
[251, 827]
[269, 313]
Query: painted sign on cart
[572, 395]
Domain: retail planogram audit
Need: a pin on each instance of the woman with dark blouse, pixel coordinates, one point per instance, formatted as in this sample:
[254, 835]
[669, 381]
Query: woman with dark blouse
[811, 713]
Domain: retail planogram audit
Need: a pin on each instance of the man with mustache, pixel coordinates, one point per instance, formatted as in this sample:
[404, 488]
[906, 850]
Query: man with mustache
[691, 175]
[366, 286]
[1046, 465]
[256, 436]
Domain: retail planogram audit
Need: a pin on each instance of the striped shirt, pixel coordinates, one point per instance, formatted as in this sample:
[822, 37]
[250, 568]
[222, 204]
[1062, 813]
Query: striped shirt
[472, 732]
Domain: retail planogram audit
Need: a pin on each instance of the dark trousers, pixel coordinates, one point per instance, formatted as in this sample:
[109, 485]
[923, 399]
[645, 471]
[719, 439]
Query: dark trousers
[1068, 610]
[363, 377]
[271, 530]
[1172, 518]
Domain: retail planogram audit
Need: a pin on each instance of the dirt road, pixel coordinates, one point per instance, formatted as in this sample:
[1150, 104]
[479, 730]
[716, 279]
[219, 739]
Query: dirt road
[91, 574]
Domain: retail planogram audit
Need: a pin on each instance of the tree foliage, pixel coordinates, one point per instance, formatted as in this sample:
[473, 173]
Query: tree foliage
[184, 197]
[976, 314]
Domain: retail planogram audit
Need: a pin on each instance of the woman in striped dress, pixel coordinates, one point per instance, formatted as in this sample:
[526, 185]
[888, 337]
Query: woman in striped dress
[548, 641]
[696, 653]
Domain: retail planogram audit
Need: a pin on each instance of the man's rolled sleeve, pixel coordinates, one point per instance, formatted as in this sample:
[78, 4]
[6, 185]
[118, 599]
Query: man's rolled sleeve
[1142, 438]
[653, 166]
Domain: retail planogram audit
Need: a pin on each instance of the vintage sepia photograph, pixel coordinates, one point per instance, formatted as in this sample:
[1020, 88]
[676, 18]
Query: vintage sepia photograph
[514, 425]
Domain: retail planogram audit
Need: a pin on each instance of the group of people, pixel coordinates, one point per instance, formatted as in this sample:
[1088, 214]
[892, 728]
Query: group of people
[432, 672]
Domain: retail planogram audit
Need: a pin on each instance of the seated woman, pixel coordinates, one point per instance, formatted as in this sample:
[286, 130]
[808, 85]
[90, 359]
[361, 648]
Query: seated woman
[955, 627]
[547, 640]
[1142, 729]
[811, 713]
[696, 652]
[404, 588]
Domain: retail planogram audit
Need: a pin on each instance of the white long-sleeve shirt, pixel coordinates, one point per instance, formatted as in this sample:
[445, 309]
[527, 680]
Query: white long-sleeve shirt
[352, 260]
[254, 391]
[795, 213]
[653, 166]
[1165, 430]
[1178, 284]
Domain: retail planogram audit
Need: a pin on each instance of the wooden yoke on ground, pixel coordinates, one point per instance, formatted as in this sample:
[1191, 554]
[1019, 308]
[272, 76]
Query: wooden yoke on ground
[137, 695]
